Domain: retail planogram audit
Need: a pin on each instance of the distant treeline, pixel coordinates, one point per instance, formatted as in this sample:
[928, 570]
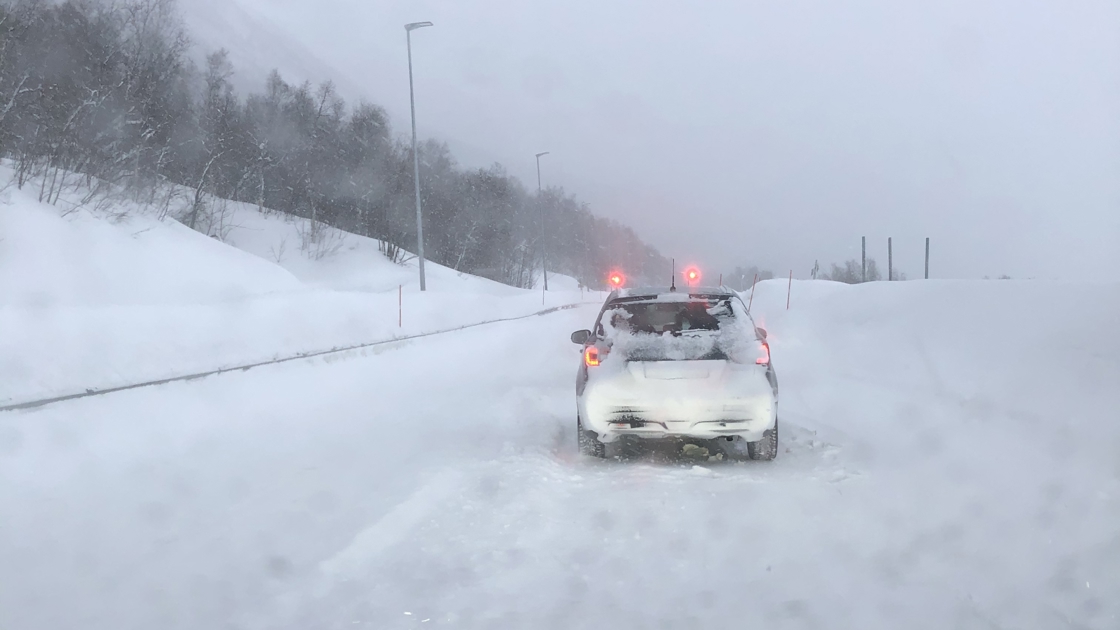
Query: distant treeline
[108, 90]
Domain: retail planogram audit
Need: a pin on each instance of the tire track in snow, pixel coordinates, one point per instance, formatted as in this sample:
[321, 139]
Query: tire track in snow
[479, 498]
[352, 564]
[389, 530]
[805, 454]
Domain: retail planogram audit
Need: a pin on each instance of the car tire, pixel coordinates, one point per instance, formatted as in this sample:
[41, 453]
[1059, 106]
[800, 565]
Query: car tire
[589, 444]
[765, 449]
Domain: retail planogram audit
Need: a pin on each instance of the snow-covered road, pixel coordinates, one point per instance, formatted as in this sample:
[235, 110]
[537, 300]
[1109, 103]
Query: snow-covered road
[948, 461]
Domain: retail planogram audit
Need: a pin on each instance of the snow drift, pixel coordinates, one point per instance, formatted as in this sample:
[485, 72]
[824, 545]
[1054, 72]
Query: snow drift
[98, 299]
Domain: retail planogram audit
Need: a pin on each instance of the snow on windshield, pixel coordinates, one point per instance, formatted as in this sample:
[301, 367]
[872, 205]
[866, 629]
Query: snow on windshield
[677, 331]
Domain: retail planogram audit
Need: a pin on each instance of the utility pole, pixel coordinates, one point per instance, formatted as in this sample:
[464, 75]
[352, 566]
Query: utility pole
[863, 260]
[540, 204]
[890, 260]
[927, 258]
[408, 28]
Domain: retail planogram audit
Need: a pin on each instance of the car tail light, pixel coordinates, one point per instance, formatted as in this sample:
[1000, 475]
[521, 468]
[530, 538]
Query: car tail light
[765, 358]
[591, 356]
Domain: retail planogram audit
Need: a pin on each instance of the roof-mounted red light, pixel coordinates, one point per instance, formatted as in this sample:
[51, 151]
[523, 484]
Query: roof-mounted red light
[616, 279]
[693, 275]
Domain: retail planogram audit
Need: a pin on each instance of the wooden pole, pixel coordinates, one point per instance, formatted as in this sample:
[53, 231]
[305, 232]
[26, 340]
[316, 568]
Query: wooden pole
[927, 258]
[789, 290]
[752, 293]
[863, 260]
[400, 305]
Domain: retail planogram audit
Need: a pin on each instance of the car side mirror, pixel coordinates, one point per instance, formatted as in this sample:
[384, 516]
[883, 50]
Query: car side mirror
[581, 336]
[761, 332]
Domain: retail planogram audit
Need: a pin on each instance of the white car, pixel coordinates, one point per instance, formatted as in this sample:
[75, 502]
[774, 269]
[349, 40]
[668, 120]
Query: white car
[686, 365]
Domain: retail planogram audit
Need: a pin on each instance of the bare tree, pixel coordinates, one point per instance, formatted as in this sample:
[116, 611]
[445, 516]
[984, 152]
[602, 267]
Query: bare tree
[852, 273]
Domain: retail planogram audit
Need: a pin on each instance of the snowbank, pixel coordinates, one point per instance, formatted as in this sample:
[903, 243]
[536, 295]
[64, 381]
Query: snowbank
[92, 300]
[50, 261]
[340, 260]
[1029, 357]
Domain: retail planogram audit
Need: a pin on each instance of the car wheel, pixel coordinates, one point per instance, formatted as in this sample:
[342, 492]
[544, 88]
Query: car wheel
[589, 444]
[767, 448]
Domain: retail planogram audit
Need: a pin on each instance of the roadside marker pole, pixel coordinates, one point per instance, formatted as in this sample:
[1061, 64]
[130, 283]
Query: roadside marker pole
[789, 290]
[400, 305]
[927, 258]
[890, 259]
[752, 293]
[721, 279]
[863, 260]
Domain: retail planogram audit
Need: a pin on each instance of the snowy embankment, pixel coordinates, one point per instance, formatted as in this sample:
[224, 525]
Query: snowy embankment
[982, 420]
[93, 300]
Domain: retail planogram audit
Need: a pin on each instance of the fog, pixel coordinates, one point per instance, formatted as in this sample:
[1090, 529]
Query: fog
[231, 396]
[760, 133]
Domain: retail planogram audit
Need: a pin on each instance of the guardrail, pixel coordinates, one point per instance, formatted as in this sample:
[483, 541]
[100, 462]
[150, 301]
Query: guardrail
[33, 404]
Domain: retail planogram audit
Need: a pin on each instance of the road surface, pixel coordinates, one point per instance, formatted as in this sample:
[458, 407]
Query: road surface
[436, 483]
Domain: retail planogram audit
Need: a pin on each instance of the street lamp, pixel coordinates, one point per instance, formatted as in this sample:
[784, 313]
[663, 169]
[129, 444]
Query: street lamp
[544, 248]
[408, 28]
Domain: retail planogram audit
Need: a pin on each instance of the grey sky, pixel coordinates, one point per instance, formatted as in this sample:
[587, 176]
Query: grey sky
[740, 132]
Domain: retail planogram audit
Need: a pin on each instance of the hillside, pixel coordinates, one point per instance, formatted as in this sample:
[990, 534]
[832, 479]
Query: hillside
[110, 296]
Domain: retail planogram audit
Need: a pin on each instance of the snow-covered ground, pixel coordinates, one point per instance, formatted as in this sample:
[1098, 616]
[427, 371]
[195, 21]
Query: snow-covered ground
[950, 460]
[91, 300]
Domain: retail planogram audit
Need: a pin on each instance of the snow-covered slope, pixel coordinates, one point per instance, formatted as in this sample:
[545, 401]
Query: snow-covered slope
[350, 263]
[949, 461]
[94, 299]
[47, 260]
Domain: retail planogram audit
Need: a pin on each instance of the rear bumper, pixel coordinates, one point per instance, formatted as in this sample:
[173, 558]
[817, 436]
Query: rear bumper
[694, 399]
[742, 407]
[747, 430]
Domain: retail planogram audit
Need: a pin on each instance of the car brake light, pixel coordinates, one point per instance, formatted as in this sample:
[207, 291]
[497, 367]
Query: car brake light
[765, 358]
[591, 356]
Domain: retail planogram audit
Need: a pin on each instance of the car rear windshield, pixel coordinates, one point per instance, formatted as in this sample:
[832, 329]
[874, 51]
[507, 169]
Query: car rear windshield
[670, 330]
[668, 317]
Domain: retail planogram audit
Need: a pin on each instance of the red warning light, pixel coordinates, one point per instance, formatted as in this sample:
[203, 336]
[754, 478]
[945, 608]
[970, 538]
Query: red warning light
[616, 279]
[693, 275]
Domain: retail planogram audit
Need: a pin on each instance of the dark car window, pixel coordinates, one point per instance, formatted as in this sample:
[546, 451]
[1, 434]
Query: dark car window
[654, 317]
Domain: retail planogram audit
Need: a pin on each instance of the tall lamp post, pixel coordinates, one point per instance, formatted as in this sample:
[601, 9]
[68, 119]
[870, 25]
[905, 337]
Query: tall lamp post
[540, 204]
[408, 28]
